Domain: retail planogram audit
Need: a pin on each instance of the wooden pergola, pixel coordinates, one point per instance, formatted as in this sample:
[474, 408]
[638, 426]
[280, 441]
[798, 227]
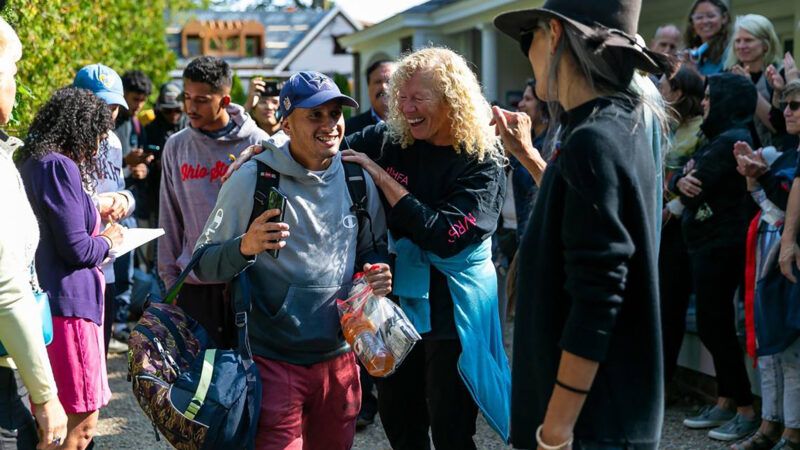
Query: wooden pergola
[223, 37]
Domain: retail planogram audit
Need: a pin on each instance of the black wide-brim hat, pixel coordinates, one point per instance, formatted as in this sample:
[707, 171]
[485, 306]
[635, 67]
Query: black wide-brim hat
[612, 23]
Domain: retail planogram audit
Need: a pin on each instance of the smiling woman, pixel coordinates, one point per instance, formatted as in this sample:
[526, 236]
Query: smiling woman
[753, 51]
[708, 23]
[437, 163]
[432, 99]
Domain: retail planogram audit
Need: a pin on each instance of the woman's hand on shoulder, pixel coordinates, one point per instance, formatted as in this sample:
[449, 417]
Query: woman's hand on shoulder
[372, 168]
[244, 156]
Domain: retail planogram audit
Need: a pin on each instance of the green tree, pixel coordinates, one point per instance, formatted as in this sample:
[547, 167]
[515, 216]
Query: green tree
[238, 95]
[343, 83]
[61, 36]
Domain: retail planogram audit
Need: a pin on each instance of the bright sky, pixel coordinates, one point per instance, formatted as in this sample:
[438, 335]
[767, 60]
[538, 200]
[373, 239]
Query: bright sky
[374, 11]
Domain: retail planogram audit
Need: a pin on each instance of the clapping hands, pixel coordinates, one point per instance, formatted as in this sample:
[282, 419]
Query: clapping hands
[750, 163]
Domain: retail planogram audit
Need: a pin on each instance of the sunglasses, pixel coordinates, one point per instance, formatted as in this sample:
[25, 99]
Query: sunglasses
[526, 37]
[793, 106]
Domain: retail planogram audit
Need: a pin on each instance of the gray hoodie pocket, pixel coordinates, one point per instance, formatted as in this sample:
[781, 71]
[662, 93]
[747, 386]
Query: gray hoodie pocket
[310, 318]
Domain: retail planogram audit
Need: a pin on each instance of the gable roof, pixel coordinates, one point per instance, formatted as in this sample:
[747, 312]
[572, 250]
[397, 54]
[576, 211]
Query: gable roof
[287, 33]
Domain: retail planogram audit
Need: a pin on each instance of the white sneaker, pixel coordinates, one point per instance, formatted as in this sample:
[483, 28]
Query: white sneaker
[115, 346]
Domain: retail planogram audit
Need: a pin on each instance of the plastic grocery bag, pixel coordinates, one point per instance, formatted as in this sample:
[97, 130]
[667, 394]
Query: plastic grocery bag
[378, 330]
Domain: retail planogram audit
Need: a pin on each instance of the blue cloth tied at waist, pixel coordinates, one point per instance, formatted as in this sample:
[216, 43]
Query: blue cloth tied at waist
[471, 278]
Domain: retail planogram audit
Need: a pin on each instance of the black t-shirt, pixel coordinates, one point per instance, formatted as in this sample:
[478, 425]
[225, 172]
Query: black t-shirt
[454, 201]
[588, 281]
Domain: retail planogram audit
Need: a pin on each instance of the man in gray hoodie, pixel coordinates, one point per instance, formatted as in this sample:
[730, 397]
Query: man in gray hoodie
[311, 392]
[193, 161]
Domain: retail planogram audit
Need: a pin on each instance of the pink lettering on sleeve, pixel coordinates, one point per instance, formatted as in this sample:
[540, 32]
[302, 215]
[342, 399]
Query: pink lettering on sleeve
[461, 227]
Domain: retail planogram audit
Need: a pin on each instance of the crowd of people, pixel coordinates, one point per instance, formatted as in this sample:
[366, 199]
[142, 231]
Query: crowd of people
[630, 182]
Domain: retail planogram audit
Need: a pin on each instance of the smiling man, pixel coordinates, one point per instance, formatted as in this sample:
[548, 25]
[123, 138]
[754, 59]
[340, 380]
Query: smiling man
[193, 161]
[378, 75]
[311, 393]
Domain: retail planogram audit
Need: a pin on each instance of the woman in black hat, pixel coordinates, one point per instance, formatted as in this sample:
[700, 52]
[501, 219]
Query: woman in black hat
[587, 370]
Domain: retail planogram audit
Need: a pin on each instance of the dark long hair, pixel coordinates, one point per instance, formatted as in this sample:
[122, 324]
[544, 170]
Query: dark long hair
[692, 88]
[610, 71]
[718, 44]
[72, 122]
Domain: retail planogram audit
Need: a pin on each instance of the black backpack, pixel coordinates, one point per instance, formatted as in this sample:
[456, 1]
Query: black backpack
[267, 178]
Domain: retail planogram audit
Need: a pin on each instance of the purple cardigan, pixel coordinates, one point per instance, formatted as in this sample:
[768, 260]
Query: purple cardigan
[68, 256]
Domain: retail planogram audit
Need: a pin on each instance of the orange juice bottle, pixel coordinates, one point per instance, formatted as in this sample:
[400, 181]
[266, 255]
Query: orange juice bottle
[370, 349]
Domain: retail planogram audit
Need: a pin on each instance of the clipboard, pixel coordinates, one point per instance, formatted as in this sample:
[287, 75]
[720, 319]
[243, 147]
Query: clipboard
[133, 238]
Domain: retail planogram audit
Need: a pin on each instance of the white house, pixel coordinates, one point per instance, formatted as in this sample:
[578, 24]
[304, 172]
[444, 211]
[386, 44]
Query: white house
[271, 44]
[466, 27]
[463, 25]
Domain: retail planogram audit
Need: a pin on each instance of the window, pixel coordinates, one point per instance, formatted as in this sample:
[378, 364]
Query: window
[232, 45]
[194, 46]
[406, 44]
[252, 46]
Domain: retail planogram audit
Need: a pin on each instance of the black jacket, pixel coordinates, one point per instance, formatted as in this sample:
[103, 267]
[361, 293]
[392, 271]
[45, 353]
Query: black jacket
[147, 191]
[454, 202]
[720, 214]
[588, 281]
[359, 122]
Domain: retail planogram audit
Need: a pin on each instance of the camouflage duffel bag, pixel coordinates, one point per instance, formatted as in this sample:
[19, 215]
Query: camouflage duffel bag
[197, 396]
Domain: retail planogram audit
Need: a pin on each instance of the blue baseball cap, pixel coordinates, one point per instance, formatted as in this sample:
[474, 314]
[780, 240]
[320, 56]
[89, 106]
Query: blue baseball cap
[104, 82]
[309, 90]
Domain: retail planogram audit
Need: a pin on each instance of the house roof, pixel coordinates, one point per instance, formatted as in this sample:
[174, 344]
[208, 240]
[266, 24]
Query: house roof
[287, 33]
[434, 15]
[428, 7]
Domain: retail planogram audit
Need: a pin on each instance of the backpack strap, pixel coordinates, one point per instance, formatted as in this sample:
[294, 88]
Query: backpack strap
[266, 179]
[357, 186]
[172, 294]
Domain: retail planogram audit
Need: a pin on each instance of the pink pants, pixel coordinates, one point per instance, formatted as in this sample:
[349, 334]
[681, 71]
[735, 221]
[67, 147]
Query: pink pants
[308, 407]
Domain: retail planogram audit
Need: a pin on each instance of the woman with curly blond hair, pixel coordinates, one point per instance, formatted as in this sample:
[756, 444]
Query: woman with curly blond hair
[437, 162]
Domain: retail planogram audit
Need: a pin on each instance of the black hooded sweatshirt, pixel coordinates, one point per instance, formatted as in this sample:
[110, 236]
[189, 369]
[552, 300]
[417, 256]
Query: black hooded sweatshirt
[588, 281]
[718, 217]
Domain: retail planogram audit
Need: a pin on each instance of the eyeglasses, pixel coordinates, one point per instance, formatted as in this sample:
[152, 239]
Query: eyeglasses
[699, 17]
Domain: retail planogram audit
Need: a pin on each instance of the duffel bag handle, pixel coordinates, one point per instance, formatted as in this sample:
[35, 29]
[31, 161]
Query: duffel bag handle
[172, 294]
[241, 303]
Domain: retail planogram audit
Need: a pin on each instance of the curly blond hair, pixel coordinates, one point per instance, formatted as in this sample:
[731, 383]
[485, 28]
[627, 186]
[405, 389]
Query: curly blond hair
[456, 85]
